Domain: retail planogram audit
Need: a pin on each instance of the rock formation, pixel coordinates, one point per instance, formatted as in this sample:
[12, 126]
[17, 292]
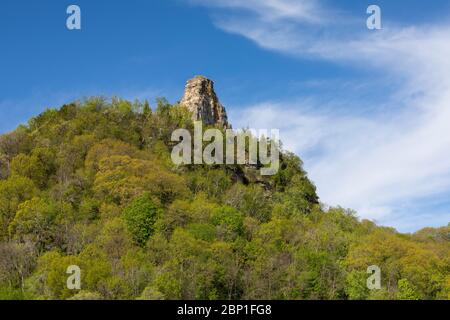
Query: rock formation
[200, 98]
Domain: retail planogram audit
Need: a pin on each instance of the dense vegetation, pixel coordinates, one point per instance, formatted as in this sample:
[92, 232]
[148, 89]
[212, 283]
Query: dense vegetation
[92, 184]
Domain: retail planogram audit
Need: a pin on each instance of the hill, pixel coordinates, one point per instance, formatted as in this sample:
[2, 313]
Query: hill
[91, 184]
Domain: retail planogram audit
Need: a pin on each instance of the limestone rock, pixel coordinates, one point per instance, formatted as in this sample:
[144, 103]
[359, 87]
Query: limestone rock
[200, 98]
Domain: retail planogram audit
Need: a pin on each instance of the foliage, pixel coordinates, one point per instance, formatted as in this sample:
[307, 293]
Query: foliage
[140, 217]
[92, 184]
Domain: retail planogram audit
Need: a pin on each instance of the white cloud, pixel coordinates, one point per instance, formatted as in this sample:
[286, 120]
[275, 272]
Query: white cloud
[271, 10]
[377, 164]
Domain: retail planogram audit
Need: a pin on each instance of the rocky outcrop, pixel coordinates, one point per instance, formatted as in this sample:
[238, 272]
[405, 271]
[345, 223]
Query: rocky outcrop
[200, 98]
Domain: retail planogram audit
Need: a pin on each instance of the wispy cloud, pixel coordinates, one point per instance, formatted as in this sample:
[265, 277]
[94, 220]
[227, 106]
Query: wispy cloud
[382, 164]
[271, 10]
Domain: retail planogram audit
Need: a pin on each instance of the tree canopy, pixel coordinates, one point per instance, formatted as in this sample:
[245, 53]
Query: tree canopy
[91, 184]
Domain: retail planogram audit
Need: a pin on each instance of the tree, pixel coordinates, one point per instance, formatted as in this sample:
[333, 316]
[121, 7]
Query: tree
[165, 185]
[106, 149]
[50, 278]
[147, 111]
[140, 217]
[356, 288]
[212, 182]
[229, 222]
[298, 198]
[228, 260]
[96, 268]
[114, 240]
[251, 200]
[39, 166]
[34, 221]
[13, 143]
[13, 192]
[189, 272]
[136, 270]
[120, 179]
[178, 214]
[406, 291]
[16, 263]
[4, 166]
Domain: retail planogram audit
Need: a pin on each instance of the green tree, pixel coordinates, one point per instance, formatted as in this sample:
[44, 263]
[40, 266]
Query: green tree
[13, 192]
[405, 291]
[252, 201]
[229, 222]
[140, 217]
[356, 288]
[50, 278]
[39, 166]
[34, 221]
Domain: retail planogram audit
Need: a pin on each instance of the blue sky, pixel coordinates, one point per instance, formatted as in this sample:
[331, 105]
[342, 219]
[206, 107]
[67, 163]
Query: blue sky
[366, 110]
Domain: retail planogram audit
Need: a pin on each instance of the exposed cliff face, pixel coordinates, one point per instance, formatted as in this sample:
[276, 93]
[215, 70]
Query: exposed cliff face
[200, 98]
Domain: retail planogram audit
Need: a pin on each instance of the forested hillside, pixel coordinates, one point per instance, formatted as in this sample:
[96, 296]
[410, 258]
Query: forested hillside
[92, 184]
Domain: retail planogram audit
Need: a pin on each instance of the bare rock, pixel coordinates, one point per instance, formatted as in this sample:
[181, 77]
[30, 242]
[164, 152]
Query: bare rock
[200, 98]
